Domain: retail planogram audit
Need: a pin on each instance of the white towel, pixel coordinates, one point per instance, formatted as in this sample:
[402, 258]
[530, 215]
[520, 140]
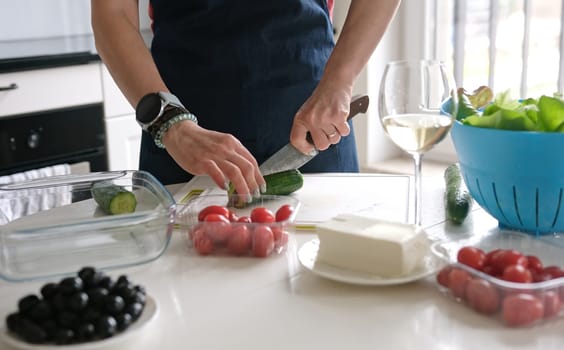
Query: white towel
[18, 203]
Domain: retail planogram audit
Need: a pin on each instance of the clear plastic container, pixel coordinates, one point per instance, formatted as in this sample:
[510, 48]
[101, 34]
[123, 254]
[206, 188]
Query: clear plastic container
[233, 236]
[53, 226]
[514, 304]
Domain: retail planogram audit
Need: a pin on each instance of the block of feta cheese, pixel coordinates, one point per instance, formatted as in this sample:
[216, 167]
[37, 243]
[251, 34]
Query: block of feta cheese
[369, 245]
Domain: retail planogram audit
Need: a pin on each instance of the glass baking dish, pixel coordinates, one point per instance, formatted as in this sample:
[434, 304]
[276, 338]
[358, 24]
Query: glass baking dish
[53, 226]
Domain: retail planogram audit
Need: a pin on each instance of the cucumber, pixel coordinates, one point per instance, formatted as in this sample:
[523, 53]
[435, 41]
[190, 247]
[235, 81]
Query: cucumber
[113, 199]
[277, 184]
[284, 182]
[458, 201]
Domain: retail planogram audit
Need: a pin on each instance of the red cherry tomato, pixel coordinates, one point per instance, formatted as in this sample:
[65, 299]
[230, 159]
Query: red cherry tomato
[233, 217]
[202, 243]
[522, 309]
[517, 273]
[553, 271]
[244, 219]
[218, 227]
[457, 280]
[213, 209]
[240, 241]
[284, 212]
[552, 304]
[471, 256]
[534, 263]
[506, 258]
[482, 296]
[490, 255]
[262, 215]
[263, 241]
[442, 276]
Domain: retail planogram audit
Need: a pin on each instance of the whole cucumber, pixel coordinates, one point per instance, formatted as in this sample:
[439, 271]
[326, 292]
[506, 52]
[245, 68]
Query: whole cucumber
[458, 201]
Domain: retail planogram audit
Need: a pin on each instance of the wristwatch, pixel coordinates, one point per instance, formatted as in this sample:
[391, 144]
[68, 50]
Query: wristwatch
[157, 112]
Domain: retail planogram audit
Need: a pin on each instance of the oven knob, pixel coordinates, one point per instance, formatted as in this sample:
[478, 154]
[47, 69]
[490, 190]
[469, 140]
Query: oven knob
[33, 139]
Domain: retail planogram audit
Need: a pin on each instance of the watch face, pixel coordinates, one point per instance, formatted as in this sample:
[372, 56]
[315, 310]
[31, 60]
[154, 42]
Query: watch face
[148, 108]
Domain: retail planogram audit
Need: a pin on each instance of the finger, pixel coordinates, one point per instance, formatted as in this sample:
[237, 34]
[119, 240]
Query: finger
[250, 170]
[343, 128]
[215, 173]
[235, 176]
[298, 138]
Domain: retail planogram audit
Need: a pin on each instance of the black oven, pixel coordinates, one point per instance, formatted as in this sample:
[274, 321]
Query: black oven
[69, 135]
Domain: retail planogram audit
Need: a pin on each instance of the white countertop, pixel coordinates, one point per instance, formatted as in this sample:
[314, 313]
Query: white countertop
[274, 303]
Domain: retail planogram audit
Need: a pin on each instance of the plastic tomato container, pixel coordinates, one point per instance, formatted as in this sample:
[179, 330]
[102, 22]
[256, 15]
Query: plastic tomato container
[513, 304]
[212, 226]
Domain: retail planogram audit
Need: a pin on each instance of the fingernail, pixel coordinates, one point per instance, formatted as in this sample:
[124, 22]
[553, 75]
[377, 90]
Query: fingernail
[226, 185]
[249, 198]
[262, 188]
[256, 193]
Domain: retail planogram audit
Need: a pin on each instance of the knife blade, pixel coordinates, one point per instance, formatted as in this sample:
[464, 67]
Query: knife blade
[288, 157]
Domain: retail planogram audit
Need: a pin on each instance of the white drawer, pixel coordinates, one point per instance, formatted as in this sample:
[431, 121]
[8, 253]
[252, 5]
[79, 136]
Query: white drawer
[51, 88]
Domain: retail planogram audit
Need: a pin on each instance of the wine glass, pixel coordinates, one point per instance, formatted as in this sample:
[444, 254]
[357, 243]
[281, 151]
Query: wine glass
[409, 103]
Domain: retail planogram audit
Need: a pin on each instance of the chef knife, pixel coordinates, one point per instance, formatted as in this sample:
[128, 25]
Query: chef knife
[288, 157]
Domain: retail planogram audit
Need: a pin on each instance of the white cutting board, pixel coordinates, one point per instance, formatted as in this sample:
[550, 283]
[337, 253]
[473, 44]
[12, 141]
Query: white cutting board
[324, 196]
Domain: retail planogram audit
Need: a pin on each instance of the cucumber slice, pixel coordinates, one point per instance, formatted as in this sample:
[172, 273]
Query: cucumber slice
[113, 199]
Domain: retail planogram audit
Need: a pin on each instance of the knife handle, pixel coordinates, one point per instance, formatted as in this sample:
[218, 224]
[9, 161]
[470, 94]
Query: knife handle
[359, 104]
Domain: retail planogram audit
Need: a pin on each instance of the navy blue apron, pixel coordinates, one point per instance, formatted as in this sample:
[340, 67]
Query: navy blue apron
[243, 67]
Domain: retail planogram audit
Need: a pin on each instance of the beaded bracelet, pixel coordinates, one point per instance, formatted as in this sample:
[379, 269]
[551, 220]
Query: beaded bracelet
[169, 123]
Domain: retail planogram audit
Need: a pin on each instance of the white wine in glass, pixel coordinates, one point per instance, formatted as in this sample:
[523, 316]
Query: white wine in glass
[410, 100]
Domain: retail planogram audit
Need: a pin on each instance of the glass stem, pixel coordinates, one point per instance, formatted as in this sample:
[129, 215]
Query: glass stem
[417, 193]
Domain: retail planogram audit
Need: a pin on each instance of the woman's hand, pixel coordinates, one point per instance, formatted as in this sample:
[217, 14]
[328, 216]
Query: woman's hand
[324, 116]
[221, 156]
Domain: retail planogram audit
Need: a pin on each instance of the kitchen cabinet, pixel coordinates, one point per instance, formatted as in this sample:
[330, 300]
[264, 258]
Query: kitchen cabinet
[47, 89]
[123, 134]
[44, 91]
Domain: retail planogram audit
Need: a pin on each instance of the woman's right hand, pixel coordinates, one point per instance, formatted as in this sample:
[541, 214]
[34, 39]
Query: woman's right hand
[221, 156]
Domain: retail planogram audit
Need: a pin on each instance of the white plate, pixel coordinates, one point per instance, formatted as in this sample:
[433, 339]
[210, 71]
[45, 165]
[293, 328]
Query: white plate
[149, 313]
[307, 255]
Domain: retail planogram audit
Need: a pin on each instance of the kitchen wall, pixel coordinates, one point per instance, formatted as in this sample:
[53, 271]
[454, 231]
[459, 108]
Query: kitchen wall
[37, 19]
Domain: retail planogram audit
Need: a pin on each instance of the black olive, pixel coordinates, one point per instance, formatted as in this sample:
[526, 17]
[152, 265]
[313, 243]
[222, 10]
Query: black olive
[140, 289]
[26, 303]
[94, 279]
[67, 319]
[13, 321]
[123, 321]
[138, 297]
[49, 290]
[126, 291]
[50, 327]
[31, 332]
[135, 310]
[106, 326]
[59, 302]
[91, 314]
[97, 296]
[64, 336]
[85, 332]
[106, 282]
[123, 279]
[85, 272]
[114, 304]
[70, 285]
[77, 301]
[40, 311]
